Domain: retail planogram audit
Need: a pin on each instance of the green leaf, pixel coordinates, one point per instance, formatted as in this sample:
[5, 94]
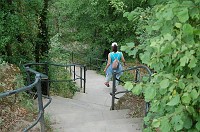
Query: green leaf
[145, 57]
[187, 122]
[137, 89]
[186, 98]
[177, 122]
[194, 94]
[188, 29]
[198, 125]
[190, 109]
[165, 126]
[182, 14]
[178, 25]
[181, 84]
[131, 45]
[156, 123]
[145, 78]
[194, 13]
[174, 101]
[125, 14]
[184, 60]
[193, 62]
[164, 83]
[124, 48]
[128, 86]
[152, 2]
[131, 15]
[188, 3]
[133, 52]
[149, 93]
[168, 14]
[163, 91]
[168, 37]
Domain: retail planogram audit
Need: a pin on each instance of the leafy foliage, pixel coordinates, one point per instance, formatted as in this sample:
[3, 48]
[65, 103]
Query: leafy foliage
[93, 22]
[171, 49]
[58, 54]
[21, 26]
[18, 30]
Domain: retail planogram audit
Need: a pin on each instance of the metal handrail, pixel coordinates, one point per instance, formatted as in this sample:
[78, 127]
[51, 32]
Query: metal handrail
[82, 77]
[96, 60]
[37, 83]
[137, 79]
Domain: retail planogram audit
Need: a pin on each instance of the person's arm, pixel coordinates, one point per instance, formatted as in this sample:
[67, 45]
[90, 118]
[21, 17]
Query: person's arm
[108, 63]
[123, 60]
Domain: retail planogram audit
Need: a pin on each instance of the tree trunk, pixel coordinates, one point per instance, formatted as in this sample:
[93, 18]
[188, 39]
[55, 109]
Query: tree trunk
[42, 44]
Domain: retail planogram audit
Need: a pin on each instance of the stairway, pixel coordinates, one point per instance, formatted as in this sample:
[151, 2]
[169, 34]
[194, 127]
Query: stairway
[90, 111]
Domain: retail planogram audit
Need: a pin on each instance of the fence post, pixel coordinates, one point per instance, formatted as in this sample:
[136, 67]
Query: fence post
[28, 77]
[81, 76]
[40, 103]
[113, 90]
[136, 75]
[70, 70]
[74, 72]
[84, 79]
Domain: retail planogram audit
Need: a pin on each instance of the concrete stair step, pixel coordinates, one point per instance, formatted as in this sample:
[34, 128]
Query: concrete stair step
[93, 98]
[60, 104]
[115, 125]
[89, 116]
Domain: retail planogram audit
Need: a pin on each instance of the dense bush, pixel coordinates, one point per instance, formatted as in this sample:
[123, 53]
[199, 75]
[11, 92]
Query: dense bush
[171, 49]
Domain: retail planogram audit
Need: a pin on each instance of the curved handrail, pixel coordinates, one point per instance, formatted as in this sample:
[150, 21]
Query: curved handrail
[37, 83]
[8, 93]
[114, 93]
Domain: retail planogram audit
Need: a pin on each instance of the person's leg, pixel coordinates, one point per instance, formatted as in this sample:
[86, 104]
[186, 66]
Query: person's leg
[119, 74]
[108, 78]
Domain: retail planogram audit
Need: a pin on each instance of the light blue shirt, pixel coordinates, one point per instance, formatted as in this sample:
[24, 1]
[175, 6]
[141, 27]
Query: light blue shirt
[114, 56]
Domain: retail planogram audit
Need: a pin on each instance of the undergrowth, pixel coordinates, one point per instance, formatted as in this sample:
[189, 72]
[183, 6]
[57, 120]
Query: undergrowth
[17, 111]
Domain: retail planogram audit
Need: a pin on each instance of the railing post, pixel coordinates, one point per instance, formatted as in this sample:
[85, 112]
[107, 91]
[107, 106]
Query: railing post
[136, 75]
[84, 79]
[70, 70]
[40, 103]
[74, 72]
[113, 90]
[28, 77]
[81, 76]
